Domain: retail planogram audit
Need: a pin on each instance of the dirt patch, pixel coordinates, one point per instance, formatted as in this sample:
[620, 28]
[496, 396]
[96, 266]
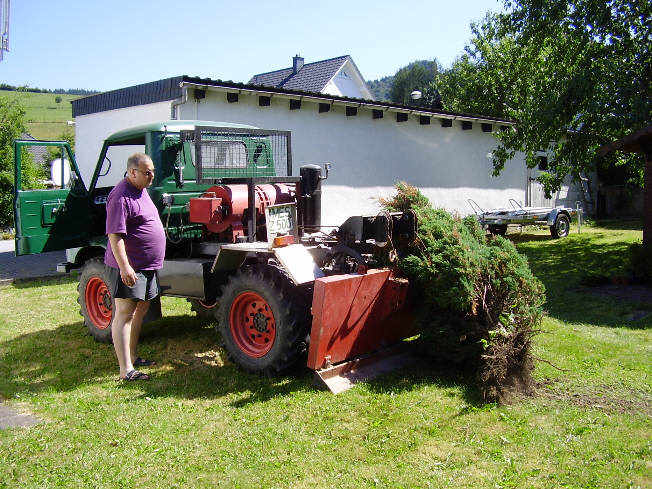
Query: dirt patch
[603, 397]
[11, 419]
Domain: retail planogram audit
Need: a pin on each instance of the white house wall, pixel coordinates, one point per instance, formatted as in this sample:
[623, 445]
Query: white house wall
[369, 155]
[349, 85]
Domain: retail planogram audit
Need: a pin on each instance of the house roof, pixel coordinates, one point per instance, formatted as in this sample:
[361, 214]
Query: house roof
[39, 153]
[311, 77]
[172, 88]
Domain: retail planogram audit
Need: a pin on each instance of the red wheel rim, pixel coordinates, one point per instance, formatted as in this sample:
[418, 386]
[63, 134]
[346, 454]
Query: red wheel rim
[98, 302]
[252, 324]
[206, 305]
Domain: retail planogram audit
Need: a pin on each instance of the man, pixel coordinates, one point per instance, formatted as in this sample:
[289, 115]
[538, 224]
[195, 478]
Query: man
[135, 253]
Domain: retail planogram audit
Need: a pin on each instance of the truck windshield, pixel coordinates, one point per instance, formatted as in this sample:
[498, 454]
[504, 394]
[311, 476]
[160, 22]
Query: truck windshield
[114, 165]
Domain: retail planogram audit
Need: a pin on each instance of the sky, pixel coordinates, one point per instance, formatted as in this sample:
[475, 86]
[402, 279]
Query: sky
[105, 45]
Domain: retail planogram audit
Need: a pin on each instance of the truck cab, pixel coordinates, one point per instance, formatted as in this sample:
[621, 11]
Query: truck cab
[73, 215]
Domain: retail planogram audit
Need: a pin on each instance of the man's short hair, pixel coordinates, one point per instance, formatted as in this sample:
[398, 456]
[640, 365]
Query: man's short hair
[134, 160]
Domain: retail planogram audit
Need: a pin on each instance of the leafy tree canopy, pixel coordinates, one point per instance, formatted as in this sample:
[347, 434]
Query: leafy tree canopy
[11, 127]
[416, 76]
[575, 74]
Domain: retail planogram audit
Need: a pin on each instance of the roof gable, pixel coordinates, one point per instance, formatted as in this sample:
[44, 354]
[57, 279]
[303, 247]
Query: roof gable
[312, 77]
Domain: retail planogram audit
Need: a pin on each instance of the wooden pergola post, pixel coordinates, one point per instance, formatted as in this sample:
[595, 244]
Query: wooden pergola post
[639, 142]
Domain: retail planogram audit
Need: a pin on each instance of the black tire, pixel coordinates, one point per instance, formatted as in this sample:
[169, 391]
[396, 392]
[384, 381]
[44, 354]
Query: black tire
[203, 310]
[264, 320]
[561, 227]
[498, 230]
[95, 300]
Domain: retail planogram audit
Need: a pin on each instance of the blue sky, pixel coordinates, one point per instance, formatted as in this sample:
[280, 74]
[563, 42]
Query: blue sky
[104, 45]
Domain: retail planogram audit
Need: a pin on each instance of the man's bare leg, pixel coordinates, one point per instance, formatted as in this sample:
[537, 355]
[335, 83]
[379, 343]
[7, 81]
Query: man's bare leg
[123, 314]
[136, 324]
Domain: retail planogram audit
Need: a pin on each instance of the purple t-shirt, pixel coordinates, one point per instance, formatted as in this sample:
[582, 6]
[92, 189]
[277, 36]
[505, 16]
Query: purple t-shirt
[131, 212]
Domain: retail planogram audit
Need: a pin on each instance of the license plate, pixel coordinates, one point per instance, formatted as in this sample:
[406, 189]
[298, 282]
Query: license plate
[280, 219]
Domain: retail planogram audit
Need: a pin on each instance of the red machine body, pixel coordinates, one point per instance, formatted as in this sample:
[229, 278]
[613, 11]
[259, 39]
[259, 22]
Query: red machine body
[223, 207]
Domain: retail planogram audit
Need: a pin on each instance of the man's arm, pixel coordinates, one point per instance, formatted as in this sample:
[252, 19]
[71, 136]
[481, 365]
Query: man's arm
[127, 273]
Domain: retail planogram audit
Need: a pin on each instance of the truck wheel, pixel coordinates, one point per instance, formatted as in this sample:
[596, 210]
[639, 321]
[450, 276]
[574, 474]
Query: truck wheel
[264, 320]
[95, 300]
[561, 227]
[498, 230]
[203, 310]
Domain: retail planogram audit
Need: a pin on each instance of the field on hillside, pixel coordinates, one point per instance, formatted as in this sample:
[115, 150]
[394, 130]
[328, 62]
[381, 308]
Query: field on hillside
[202, 423]
[45, 118]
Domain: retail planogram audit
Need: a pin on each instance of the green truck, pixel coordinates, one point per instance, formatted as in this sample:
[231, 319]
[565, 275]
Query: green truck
[244, 242]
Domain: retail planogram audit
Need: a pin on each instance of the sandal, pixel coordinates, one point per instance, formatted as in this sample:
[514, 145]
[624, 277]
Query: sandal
[135, 375]
[141, 362]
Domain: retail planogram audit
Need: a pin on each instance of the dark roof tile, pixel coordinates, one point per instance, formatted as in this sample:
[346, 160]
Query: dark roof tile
[312, 77]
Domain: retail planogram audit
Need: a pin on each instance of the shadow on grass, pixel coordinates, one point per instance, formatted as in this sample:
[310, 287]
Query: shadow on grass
[455, 380]
[562, 264]
[189, 365]
[31, 282]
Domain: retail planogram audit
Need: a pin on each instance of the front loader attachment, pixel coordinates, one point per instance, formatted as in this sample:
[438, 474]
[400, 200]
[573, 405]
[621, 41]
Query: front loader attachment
[356, 319]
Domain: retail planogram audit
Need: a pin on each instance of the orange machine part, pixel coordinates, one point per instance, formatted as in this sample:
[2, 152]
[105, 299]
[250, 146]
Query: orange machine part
[356, 314]
[208, 209]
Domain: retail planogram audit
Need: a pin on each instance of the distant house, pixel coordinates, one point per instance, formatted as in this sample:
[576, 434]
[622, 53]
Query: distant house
[337, 76]
[39, 153]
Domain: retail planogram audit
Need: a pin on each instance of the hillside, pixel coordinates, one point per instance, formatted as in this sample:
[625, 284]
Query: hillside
[45, 118]
[382, 87]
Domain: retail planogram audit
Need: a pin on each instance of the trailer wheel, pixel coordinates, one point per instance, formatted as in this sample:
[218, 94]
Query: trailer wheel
[203, 309]
[95, 300]
[263, 319]
[498, 229]
[561, 227]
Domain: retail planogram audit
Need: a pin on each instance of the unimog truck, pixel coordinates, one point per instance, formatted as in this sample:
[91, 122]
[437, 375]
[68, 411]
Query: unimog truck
[245, 243]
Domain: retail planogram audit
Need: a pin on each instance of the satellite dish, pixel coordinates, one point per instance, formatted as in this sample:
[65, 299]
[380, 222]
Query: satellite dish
[416, 95]
[55, 172]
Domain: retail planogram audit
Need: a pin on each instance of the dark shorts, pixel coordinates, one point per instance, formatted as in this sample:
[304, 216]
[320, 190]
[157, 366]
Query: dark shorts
[146, 287]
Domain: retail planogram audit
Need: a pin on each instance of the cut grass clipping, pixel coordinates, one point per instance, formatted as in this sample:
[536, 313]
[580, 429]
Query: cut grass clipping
[475, 299]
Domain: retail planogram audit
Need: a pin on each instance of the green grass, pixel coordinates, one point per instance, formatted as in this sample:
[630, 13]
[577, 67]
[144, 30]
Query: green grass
[45, 118]
[202, 423]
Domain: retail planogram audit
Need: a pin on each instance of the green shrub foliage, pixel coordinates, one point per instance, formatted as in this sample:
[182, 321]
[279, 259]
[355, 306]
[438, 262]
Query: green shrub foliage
[475, 299]
[11, 127]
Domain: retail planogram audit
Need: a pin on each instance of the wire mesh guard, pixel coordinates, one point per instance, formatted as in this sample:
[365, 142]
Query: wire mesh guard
[220, 152]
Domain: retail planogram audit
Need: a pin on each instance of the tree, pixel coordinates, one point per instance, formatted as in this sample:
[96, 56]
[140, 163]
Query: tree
[574, 74]
[11, 127]
[416, 76]
[58, 99]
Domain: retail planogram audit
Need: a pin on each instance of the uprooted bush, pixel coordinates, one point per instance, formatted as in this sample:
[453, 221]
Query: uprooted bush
[475, 299]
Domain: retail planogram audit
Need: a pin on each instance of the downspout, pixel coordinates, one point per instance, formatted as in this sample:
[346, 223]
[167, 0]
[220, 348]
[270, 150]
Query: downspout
[178, 101]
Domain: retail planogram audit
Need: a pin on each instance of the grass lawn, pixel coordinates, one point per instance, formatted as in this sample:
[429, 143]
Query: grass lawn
[45, 118]
[202, 423]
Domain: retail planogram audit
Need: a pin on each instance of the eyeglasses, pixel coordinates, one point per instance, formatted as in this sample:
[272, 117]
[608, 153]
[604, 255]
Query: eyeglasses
[147, 173]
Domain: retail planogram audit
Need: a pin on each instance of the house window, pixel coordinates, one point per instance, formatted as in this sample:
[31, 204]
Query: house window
[542, 163]
[467, 125]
